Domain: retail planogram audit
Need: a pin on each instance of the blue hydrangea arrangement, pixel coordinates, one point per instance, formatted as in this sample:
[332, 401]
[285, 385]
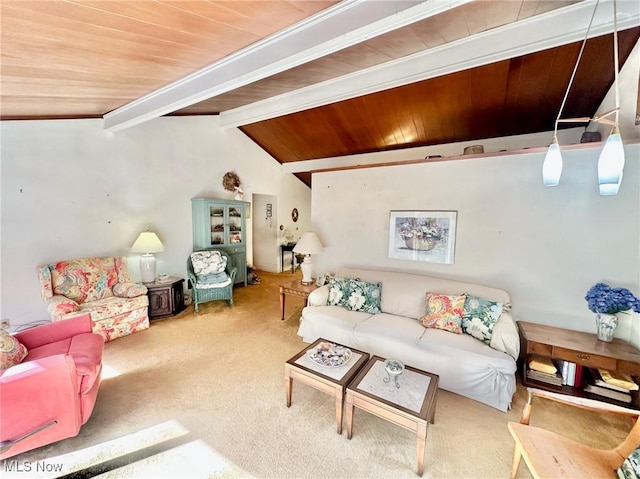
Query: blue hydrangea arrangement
[602, 298]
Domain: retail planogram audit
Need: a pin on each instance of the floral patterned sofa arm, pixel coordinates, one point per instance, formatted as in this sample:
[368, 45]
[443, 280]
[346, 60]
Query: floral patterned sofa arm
[59, 306]
[129, 290]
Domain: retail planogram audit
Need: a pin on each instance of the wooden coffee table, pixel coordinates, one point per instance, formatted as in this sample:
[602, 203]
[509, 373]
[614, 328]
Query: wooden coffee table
[331, 380]
[294, 288]
[412, 405]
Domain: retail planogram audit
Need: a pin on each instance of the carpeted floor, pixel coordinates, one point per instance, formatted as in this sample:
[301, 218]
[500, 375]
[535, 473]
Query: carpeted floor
[202, 395]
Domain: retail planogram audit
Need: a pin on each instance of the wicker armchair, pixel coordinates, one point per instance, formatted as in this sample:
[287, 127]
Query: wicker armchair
[211, 274]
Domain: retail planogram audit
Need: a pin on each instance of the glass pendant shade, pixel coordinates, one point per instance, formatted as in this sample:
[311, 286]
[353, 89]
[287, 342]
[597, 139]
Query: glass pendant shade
[611, 165]
[552, 165]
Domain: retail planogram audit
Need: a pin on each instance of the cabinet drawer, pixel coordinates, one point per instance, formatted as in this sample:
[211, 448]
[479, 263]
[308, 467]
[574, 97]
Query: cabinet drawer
[586, 359]
[541, 349]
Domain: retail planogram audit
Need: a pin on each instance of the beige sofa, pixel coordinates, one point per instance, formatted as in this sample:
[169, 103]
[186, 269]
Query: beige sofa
[466, 365]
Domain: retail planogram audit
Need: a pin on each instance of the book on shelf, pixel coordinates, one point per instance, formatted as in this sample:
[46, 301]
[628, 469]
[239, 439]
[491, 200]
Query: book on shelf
[571, 372]
[615, 380]
[555, 379]
[542, 364]
[609, 393]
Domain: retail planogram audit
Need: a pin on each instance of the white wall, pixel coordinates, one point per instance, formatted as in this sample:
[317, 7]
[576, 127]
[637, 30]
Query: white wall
[71, 190]
[546, 246]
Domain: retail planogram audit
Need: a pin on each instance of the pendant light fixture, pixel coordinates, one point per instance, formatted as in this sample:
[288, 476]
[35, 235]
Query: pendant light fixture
[611, 161]
[552, 165]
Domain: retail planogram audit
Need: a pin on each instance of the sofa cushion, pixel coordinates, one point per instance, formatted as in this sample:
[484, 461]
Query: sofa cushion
[12, 352]
[333, 323]
[364, 296]
[480, 316]
[129, 290]
[339, 291]
[58, 306]
[84, 280]
[113, 307]
[444, 312]
[390, 327]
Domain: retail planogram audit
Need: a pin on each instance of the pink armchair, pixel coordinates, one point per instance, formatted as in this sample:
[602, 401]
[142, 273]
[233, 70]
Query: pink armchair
[51, 393]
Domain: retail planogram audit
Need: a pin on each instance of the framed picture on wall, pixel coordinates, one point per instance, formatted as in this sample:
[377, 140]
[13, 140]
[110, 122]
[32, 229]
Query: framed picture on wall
[423, 235]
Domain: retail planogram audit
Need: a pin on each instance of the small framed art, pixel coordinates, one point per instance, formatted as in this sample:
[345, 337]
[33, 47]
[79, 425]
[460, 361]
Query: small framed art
[423, 235]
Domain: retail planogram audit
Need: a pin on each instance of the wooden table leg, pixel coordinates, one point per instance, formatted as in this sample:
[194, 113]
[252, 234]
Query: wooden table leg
[350, 408]
[422, 440]
[282, 303]
[339, 409]
[288, 384]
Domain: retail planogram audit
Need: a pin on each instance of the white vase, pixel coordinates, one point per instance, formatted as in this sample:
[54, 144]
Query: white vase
[605, 326]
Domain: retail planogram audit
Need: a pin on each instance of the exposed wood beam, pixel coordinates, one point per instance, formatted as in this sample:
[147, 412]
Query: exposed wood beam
[338, 27]
[552, 29]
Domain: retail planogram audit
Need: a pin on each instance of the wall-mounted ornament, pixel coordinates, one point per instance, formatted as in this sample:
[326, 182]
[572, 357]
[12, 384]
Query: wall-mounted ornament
[294, 215]
[231, 182]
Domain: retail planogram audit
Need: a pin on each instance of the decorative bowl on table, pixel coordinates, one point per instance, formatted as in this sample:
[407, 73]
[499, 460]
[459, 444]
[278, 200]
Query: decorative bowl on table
[329, 354]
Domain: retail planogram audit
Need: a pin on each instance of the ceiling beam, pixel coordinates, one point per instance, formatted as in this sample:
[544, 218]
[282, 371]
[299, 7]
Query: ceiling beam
[340, 26]
[541, 32]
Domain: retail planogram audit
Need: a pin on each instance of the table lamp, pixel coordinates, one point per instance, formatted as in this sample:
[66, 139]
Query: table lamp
[307, 245]
[147, 243]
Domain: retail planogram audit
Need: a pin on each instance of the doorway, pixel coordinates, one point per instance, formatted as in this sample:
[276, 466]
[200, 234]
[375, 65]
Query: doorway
[266, 248]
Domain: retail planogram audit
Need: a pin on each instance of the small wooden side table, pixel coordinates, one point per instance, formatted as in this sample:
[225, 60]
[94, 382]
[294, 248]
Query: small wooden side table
[294, 288]
[332, 381]
[165, 298]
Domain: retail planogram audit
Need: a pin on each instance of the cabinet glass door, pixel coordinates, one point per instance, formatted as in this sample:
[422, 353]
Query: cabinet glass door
[217, 225]
[235, 226]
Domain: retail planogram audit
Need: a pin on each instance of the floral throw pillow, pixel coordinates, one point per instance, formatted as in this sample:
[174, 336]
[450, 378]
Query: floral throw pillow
[630, 468]
[339, 291]
[12, 352]
[444, 312]
[480, 316]
[364, 297]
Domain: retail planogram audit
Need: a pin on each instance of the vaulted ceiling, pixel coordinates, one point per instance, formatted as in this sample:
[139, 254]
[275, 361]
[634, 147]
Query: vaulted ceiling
[314, 79]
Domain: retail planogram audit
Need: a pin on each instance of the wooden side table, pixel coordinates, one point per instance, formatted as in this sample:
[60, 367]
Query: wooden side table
[580, 348]
[294, 288]
[165, 298]
[332, 381]
[411, 405]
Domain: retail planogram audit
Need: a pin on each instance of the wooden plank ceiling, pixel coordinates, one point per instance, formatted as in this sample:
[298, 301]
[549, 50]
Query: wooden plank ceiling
[85, 58]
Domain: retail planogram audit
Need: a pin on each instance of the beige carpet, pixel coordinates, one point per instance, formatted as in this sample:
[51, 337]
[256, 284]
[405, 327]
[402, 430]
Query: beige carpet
[202, 395]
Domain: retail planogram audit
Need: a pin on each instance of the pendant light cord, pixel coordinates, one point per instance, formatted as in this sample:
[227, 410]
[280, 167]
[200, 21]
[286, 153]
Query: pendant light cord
[615, 58]
[575, 68]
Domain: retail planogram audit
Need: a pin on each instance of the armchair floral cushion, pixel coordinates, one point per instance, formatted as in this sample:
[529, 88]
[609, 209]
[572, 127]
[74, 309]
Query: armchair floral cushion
[209, 268]
[100, 286]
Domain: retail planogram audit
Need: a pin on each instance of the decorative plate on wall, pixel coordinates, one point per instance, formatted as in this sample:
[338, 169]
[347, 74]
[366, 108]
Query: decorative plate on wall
[294, 215]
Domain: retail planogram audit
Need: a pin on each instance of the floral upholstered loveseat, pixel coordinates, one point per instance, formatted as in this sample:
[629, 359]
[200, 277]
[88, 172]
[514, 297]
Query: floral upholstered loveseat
[99, 286]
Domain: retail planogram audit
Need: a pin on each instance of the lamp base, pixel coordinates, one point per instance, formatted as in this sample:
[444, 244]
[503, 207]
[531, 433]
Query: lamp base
[307, 269]
[148, 268]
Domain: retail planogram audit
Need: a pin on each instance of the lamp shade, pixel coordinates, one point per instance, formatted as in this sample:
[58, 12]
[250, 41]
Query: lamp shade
[552, 165]
[147, 242]
[308, 244]
[611, 165]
